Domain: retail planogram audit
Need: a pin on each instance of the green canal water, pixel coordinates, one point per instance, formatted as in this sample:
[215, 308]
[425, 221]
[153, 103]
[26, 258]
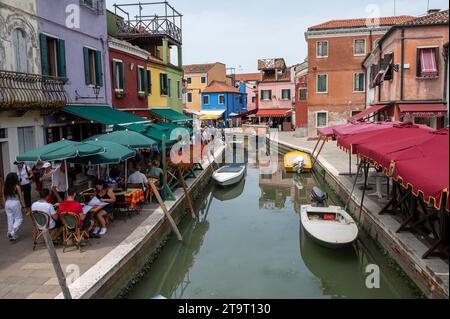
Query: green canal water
[247, 242]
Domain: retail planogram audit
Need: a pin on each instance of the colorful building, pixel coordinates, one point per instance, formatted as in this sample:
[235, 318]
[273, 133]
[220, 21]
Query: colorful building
[223, 100]
[336, 50]
[198, 77]
[301, 99]
[276, 92]
[406, 72]
[251, 88]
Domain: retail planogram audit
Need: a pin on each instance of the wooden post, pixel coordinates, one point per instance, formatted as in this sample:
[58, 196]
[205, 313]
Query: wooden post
[186, 193]
[166, 212]
[318, 153]
[169, 194]
[315, 147]
[353, 187]
[366, 173]
[55, 261]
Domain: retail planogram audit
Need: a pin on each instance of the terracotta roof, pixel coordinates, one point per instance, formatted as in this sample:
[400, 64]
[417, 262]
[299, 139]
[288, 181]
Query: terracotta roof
[359, 23]
[245, 77]
[283, 77]
[199, 68]
[220, 87]
[434, 18]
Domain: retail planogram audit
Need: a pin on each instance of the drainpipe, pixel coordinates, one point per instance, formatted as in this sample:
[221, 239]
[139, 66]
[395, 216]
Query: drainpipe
[402, 70]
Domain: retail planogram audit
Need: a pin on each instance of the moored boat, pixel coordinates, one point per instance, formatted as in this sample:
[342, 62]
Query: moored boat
[229, 174]
[297, 161]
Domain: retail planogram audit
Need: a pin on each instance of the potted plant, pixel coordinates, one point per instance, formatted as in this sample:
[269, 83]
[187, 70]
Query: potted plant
[120, 94]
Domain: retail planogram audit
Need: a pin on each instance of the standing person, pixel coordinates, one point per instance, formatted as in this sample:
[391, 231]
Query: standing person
[38, 170]
[13, 204]
[59, 183]
[25, 176]
[46, 177]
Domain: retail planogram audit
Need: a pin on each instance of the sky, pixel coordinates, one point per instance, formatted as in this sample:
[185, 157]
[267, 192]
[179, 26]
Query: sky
[238, 32]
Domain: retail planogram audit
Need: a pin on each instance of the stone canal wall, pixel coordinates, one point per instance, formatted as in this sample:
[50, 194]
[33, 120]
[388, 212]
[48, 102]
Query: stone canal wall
[111, 275]
[430, 275]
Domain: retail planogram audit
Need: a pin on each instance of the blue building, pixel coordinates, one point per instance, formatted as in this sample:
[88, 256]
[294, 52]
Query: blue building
[222, 99]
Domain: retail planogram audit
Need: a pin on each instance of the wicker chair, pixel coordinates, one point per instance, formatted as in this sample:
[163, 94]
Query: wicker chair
[72, 230]
[40, 220]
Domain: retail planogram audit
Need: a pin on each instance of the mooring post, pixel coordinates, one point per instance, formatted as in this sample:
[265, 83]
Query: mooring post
[186, 193]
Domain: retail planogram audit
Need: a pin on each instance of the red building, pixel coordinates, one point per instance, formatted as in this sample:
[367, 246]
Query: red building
[301, 99]
[129, 74]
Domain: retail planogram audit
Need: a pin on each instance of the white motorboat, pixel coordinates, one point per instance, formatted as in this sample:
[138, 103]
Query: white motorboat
[229, 174]
[329, 226]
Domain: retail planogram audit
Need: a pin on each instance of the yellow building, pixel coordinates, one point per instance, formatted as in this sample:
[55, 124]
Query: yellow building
[198, 77]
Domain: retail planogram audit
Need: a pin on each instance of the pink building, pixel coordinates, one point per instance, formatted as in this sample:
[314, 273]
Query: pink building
[276, 92]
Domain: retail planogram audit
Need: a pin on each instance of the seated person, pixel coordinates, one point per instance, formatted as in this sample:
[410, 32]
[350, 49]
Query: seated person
[114, 179]
[138, 178]
[105, 194]
[157, 172]
[43, 206]
[70, 205]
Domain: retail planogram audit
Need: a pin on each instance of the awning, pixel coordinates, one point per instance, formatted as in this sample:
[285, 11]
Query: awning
[423, 110]
[212, 112]
[170, 115]
[366, 112]
[273, 113]
[104, 114]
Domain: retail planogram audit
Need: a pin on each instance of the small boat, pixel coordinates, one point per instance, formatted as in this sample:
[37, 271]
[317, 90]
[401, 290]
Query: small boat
[329, 226]
[229, 174]
[297, 161]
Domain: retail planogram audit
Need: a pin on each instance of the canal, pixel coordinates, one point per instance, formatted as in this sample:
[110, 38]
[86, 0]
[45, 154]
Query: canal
[247, 242]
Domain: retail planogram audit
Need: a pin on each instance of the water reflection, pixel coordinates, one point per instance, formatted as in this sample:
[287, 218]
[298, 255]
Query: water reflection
[228, 193]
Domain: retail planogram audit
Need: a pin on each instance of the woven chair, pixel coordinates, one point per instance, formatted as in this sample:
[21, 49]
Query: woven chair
[72, 230]
[40, 220]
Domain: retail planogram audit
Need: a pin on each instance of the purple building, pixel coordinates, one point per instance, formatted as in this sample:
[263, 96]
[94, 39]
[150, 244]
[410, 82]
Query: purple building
[73, 45]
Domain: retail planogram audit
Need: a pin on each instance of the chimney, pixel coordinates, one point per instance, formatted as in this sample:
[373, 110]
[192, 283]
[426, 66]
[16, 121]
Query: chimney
[433, 11]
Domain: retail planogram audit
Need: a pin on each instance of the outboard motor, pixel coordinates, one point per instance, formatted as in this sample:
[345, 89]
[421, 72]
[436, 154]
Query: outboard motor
[318, 196]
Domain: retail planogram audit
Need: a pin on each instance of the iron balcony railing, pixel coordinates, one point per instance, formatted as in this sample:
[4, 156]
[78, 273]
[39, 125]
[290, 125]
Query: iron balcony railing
[24, 91]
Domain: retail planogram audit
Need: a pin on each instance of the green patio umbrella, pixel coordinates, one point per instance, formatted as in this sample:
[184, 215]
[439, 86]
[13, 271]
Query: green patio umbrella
[126, 138]
[60, 150]
[114, 154]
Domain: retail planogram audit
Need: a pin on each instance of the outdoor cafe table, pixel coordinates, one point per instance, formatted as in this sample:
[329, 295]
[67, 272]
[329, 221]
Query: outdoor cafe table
[133, 196]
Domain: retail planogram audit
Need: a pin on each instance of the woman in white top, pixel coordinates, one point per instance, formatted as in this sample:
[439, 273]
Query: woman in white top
[13, 205]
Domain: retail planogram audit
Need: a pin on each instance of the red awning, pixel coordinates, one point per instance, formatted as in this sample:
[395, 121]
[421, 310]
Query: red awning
[423, 110]
[366, 112]
[273, 113]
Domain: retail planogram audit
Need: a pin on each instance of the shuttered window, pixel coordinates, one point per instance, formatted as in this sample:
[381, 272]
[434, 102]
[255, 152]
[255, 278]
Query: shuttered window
[427, 62]
[163, 81]
[322, 83]
[189, 97]
[118, 75]
[149, 82]
[322, 49]
[221, 99]
[179, 89]
[26, 138]
[53, 56]
[359, 47]
[206, 99]
[19, 40]
[93, 70]
[285, 94]
[303, 93]
[358, 82]
[266, 95]
[142, 79]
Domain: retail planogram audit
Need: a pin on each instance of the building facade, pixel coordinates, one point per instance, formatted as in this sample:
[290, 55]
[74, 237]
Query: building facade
[276, 92]
[251, 81]
[198, 77]
[223, 99]
[406, 72]
[336, 50]
[301, 99]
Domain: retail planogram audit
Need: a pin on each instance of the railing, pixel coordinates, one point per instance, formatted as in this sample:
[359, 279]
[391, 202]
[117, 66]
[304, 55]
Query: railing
[23, 91]
[168, 23]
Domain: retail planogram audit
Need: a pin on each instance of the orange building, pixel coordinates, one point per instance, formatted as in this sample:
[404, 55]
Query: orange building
[336, 78]
[406, 72]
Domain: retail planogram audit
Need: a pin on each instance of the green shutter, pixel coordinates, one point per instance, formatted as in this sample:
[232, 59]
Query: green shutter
[113, 74]
[139, 81]
[98, 68]
[44, 54]
[87, 76]
[121, 76]
[61, 58]
[149, 82]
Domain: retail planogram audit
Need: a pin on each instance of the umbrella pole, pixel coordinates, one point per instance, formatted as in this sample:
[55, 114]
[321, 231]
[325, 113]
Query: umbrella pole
[366, 173]
[353, 187]
[67, 177]
[98, 171]
[126, 175]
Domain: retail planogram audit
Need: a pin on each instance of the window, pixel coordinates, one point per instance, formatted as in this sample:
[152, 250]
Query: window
[189, 97]
[241, 100]
[118, 75]
[322, 83]
[88, 3]
[359, 47]
[149, 81]
[142, 81]
[221, 99]
[206, 99]
[164, 83]
[253, 99]
[321, 119]
[53, 56]
[355, 112]
[93, 73]
[19, 40]
[179, 89]
[303, 94]
[322, 49]
[3, 133]
[358, 82]
[26, 138]
[169, 87]
[189, 80]
[285, 94]
[427, 62]
[266, 95]
[203, 80]
[158, 53]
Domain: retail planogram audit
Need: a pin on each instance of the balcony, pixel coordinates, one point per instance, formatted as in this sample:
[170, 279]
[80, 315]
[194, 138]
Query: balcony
[23, 92]
[152, 22]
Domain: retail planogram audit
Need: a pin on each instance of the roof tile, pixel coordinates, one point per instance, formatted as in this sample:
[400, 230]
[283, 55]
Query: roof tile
[359, 23]
[220, 87]
[440, 17]
[199, 68]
